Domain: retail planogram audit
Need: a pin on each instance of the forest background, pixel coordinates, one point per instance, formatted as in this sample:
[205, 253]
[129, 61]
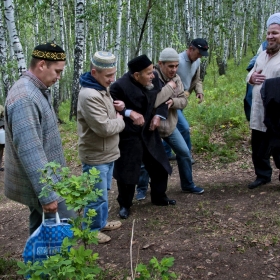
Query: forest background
[234, 30]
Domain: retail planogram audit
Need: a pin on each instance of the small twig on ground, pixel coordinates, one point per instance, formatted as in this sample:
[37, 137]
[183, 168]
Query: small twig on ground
[131, 243]
[176, 230]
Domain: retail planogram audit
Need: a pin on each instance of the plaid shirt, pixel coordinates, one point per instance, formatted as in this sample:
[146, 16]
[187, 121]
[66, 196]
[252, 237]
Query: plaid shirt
[32, 140]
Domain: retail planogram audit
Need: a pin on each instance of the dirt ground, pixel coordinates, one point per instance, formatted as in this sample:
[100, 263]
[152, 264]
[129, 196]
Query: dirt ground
[229, 232]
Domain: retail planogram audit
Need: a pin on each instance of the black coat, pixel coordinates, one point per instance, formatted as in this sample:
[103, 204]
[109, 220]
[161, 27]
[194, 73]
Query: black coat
[134, 138]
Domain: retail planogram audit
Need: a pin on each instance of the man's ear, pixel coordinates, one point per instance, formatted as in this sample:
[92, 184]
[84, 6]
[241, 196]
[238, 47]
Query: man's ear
[136, 76]
[93, 72]
[41, 64]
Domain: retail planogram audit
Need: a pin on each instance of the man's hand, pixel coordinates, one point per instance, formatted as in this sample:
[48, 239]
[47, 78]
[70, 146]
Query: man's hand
[119, 105]
[169, 102]
[257, 78]
[119, 116]
[138, 119]
[172, 84]
[200, 96]
[155, 122]
[51, 207]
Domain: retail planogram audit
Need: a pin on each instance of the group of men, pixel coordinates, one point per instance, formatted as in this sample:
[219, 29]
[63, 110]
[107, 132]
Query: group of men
[121, 125]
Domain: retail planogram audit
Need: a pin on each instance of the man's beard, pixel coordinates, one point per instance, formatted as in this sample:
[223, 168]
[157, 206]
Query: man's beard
[149, 87]
[272, 49]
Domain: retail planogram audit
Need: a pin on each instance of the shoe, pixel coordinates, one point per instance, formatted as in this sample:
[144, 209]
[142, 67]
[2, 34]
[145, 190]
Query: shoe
[141, 195]
[2, 169]
[258, 182]
[124, 212]
[103, 238]
[194, 190]
[193, 160]
[112, 225]
[172, 157]
[165, 202]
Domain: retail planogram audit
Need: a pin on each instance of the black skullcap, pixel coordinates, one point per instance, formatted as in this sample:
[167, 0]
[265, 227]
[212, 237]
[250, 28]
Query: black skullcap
[202, 46]
[139, 63]
[49, 51]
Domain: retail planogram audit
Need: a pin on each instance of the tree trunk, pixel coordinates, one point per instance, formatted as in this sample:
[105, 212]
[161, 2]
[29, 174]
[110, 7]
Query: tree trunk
[78, 56]
[143, 28]
[13, 34]
[3, 57]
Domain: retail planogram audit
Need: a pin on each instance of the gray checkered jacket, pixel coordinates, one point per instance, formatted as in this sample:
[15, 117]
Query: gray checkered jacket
[32, 140]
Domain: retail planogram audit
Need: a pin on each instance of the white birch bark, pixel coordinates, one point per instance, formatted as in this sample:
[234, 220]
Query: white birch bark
[52, 22]
[3, 57]
[187, 23]
[36, 24]
[78, 55]
[118, 34]
[17, 47]
[128, 35]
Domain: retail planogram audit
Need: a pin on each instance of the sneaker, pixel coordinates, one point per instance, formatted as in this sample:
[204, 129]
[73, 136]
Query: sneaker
[194, 190]
[103, 238]
[112, 225]
[193, 160]
[140, 195]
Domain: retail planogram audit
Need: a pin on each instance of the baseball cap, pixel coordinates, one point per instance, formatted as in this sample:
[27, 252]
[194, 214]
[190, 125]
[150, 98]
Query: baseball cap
[202, 46]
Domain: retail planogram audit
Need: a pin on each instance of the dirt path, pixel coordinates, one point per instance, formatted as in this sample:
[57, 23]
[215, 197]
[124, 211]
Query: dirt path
[229, 232]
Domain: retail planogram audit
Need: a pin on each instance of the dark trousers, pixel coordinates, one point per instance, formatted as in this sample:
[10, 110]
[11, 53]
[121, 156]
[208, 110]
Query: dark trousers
[158, 184]
[261, 155]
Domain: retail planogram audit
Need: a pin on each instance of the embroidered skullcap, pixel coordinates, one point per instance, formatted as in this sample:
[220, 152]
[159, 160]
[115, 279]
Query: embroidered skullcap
[139, 63]
[275, 18]
[168, 54]
[49, 51]
[104, 60]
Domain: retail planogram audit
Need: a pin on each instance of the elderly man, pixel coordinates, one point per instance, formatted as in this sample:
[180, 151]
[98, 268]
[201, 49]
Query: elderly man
[140, 140]
[98, 127]
[32, 135]
[189, 72]
[267, 66]
[166, 69]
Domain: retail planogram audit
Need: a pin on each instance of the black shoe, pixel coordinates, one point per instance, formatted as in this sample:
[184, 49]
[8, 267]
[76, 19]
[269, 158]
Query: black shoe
[258, 182]
[124, 212]
[2, 169]
[165, 202]
[172, 157]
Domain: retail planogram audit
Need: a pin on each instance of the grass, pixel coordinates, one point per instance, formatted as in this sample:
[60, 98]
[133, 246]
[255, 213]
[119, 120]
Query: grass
[8, 267]
[218, 125]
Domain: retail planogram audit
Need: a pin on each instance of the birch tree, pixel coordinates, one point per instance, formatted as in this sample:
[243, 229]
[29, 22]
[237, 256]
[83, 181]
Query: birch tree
[13, 34]
[3, 57]
[78, 55]
[118, 33]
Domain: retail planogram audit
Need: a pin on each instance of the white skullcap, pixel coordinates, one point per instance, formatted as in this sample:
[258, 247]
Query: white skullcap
[275, 18]
[168, 54]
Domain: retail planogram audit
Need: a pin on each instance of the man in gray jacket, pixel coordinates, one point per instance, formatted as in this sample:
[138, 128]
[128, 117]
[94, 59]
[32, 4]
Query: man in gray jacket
[32, 135]
[98, 127]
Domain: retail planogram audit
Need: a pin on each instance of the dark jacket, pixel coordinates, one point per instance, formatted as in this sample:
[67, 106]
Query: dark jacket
[134, 138]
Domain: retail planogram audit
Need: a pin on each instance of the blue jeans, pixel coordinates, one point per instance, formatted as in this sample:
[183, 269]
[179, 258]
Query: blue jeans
[143, 182]
[183, 156]
[101, 205]
[184, 128]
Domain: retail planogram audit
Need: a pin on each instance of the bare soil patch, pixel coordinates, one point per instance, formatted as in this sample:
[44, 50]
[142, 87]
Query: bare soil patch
[229, 232]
